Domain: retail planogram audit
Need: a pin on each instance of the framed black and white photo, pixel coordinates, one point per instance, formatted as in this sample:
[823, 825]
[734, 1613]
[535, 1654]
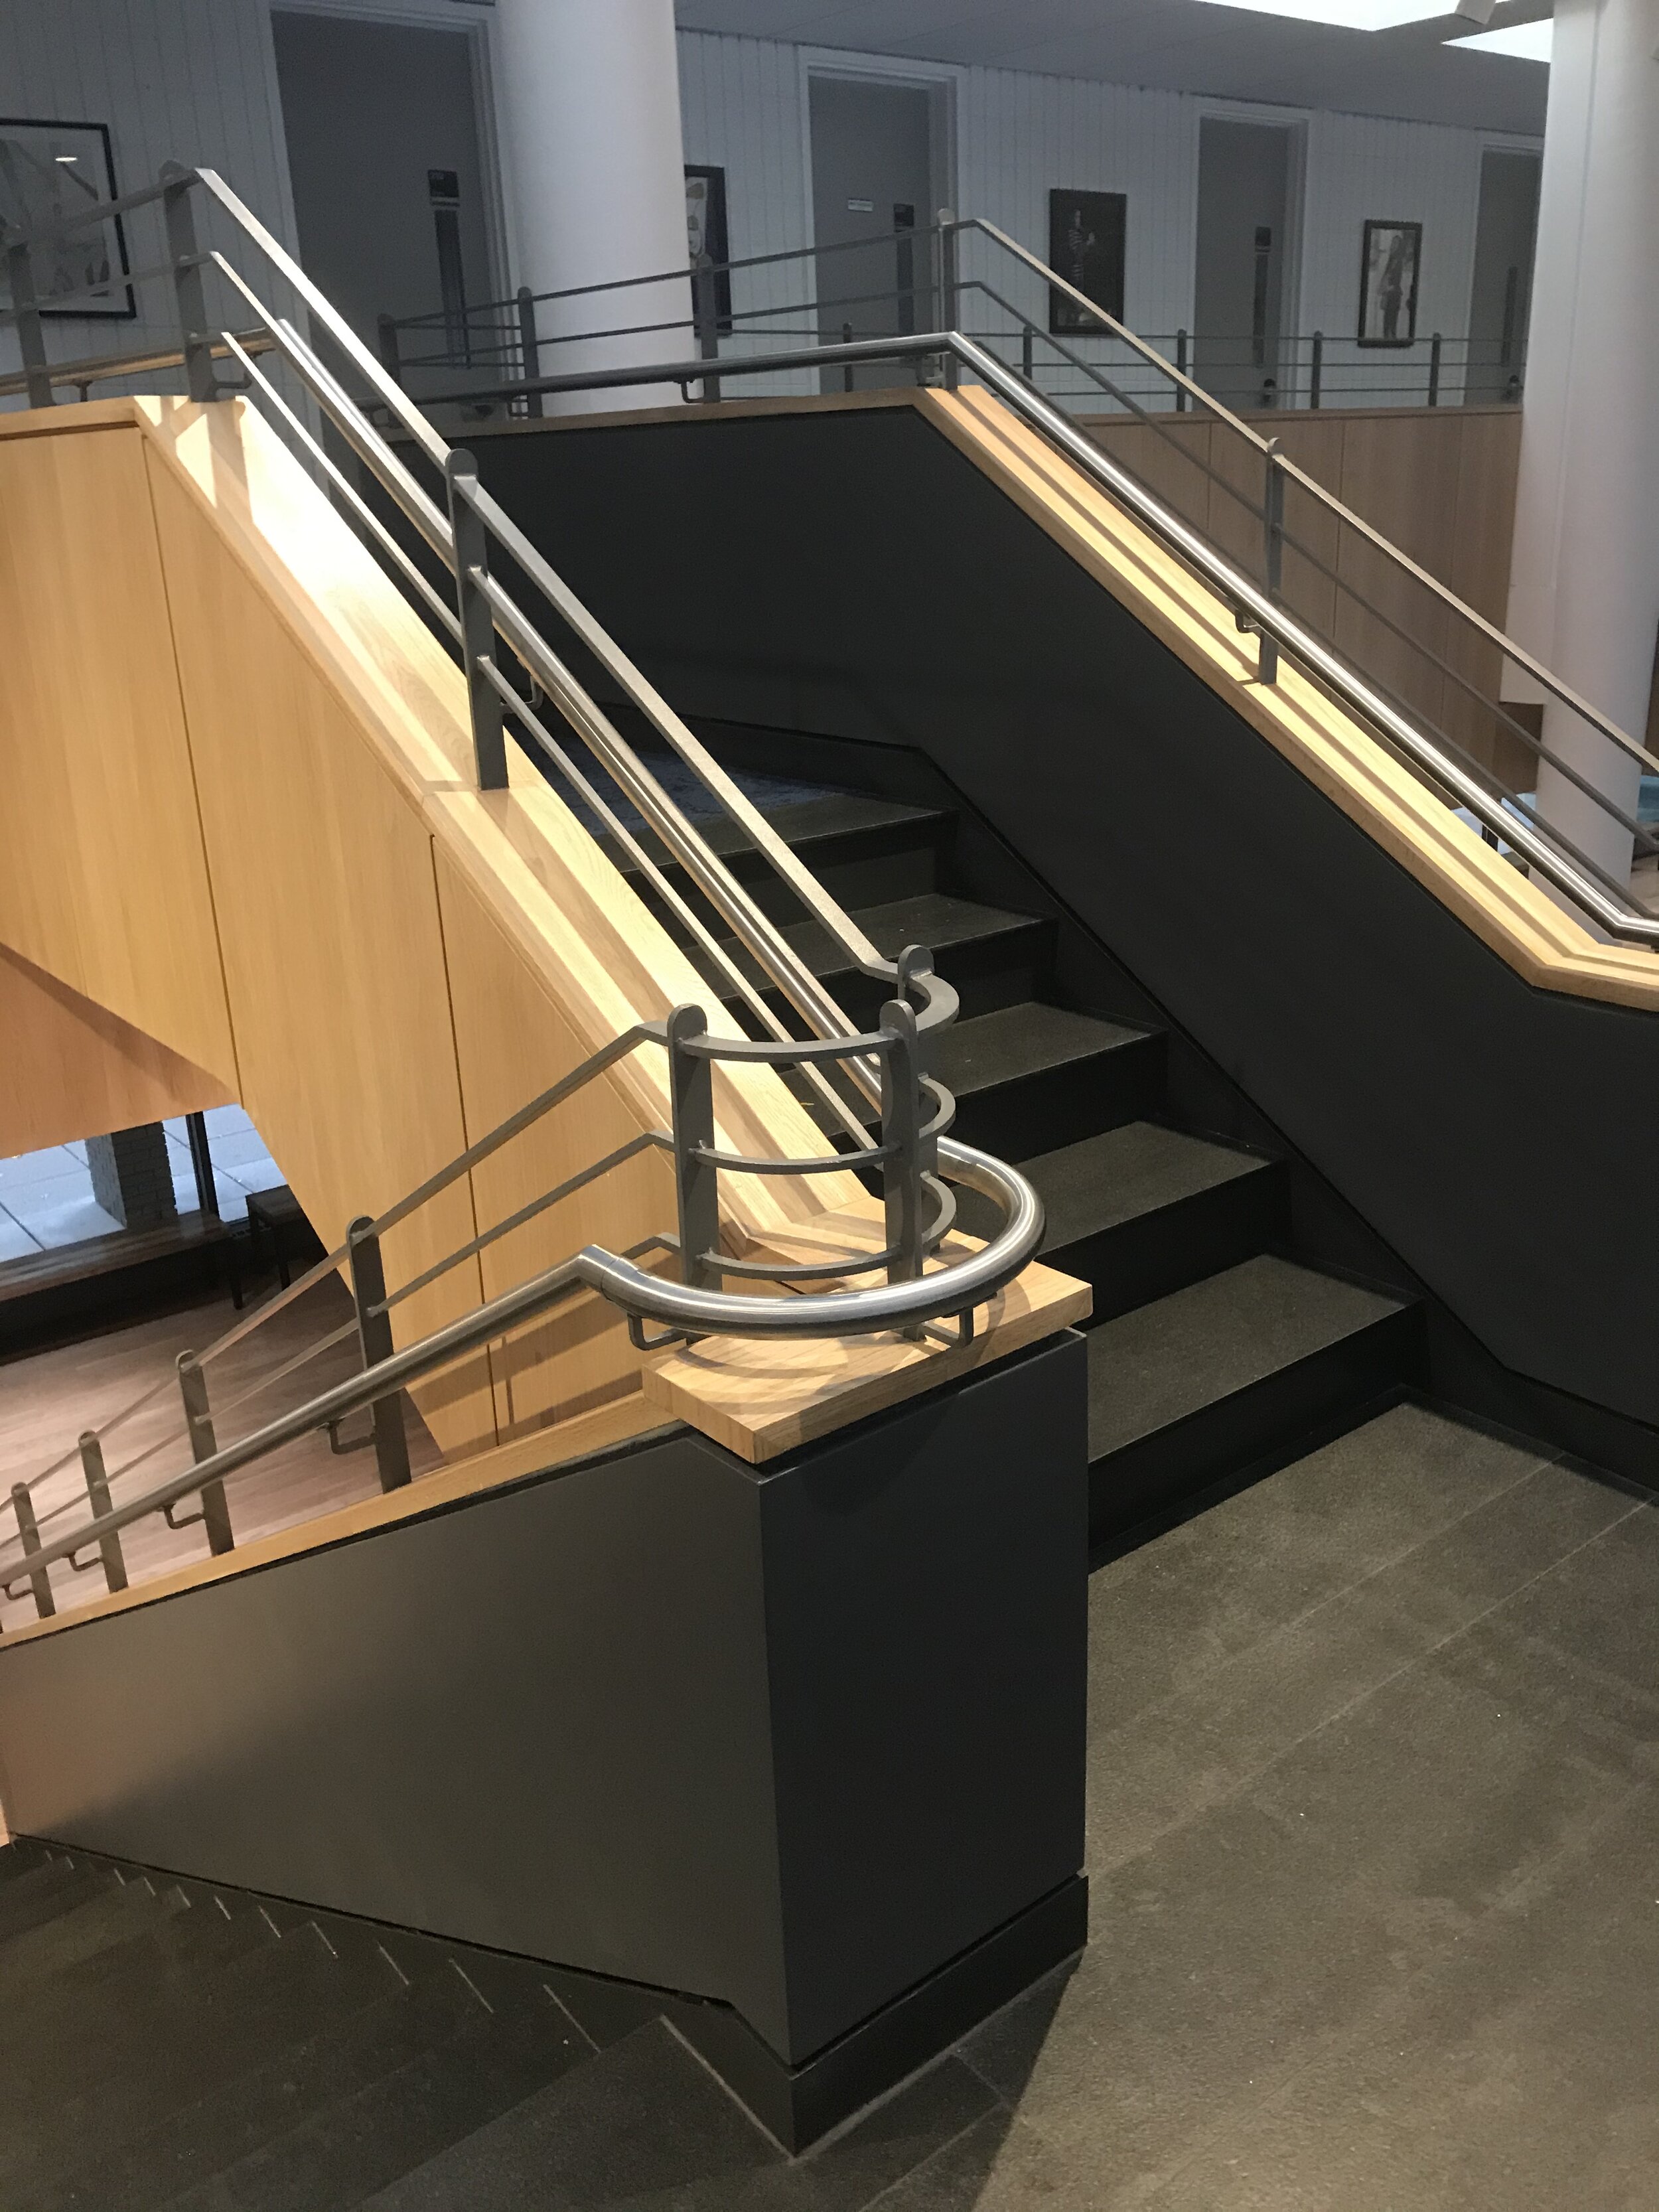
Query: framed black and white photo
[1085, 246]
[50, 171]
[705, 235]
[1389, 264]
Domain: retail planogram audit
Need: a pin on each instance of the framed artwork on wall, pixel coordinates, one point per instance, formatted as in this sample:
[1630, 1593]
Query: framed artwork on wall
[1085, 246]
[48, 170]
[1388, 264]
[706, 233]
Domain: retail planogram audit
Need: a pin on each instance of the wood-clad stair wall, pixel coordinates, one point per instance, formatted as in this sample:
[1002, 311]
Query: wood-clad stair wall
[241, 827]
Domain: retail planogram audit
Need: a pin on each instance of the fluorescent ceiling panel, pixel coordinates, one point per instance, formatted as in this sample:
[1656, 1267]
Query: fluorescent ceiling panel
[1351, 14]
[1526, 42]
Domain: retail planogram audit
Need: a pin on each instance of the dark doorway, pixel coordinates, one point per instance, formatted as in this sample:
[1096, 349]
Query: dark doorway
[873, 168]
[1244, 172]
[388, 186]
[1500, 297]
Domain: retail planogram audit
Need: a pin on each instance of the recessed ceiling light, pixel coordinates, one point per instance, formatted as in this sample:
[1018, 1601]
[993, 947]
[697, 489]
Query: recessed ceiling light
[68, 159]
[1527, 42]
[1349, 14]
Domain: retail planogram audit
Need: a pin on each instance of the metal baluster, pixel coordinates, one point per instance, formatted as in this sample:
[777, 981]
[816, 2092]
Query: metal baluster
[1180, 363]
[30, 338]
[1317, 377]
[706, 311]
[530, 348]
[478, 624]
[950, 296]
[92, 1462]
[215, 1515]
[697, 1183]
[901, 1129]
[1027, 353]
[846, 373]
[23, 1506]
[1435, 344]
[375, 1336]
[189, 290]
[390, 359]
[1272, 526]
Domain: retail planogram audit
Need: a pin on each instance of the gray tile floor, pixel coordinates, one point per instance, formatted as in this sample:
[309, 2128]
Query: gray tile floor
[46, 1201]
[1374, 1849]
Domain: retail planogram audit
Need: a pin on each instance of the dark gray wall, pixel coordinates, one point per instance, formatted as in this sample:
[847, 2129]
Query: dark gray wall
[792, 1738]
[857, 576]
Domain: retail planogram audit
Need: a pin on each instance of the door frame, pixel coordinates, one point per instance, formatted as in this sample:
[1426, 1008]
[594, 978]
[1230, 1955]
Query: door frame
[475, 27]
[1295, 122]
[941, 80]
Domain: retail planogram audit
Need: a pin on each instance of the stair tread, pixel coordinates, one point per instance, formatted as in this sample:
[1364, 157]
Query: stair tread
[373, 2132]
[935, 919]
[831, 814]
[1024, 1040]
[1126, 1173]
[1154, 1366]
[644, 2121]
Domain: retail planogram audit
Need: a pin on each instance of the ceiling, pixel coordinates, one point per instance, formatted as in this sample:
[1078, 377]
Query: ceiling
[1180, 46]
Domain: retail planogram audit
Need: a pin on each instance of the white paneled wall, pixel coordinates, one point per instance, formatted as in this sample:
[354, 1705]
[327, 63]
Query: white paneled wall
[1018, 135]
[192, 80]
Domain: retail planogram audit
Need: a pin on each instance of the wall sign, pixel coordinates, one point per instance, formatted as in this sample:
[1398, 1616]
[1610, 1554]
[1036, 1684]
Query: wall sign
[48, 170]
[1085, 246]
[1388, 264]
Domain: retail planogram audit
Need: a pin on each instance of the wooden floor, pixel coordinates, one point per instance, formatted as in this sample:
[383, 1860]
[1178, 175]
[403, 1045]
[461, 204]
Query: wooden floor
[47, 1398]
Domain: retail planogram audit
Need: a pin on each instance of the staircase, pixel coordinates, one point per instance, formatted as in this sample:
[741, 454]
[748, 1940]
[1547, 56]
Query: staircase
[1215, 1351]
[172, 2044]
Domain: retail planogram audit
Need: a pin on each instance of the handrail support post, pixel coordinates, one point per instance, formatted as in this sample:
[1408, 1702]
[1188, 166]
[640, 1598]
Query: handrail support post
[1272, 528]
[1316, 372]
[30, 338]
[203, 1443]
[706, 315]
[189, 290]
[109, 1547]
[477, 620]
[948, 289]
[529, 349]
[28, 1529]
[900, 1137]
[374, 1339]
[696, 1180]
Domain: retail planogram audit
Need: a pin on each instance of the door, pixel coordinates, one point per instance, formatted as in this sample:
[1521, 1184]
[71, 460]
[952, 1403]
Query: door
[388, 187]
[872, 180]
[1243, 209]
[1500, 298]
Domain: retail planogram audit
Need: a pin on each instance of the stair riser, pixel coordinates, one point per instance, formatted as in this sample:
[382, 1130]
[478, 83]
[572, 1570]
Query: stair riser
[988, 973]
[1135, 1261]
[865, 868]
[1039, 1113]
[1266, 1423]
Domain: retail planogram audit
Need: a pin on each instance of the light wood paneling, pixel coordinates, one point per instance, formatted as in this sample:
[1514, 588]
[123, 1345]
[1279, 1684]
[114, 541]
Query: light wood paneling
[93, 758]
[71, 1069]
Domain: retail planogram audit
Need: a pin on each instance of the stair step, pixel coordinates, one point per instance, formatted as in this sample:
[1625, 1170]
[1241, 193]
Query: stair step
[375, 2132]
[863, 851]
[1142, 1211]
[237, 2018]
[644, 2123]
[44, 1894]
[106, 1921]
[1229, 1373]
[1030, 1079]
[992, 957]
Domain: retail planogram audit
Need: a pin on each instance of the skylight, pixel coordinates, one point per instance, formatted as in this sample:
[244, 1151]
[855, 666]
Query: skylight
[1527, 42]
[1351, 14]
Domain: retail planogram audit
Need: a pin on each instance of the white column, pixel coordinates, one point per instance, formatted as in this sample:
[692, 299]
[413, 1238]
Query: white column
[589, 99]
[1584, 580]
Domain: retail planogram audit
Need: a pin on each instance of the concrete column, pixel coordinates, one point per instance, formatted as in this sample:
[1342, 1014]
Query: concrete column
[132, 1176]
[590, 101]
[1584, 582]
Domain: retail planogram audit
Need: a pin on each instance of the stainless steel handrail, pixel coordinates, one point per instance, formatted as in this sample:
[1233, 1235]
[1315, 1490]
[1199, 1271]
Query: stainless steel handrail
[890, 1307]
